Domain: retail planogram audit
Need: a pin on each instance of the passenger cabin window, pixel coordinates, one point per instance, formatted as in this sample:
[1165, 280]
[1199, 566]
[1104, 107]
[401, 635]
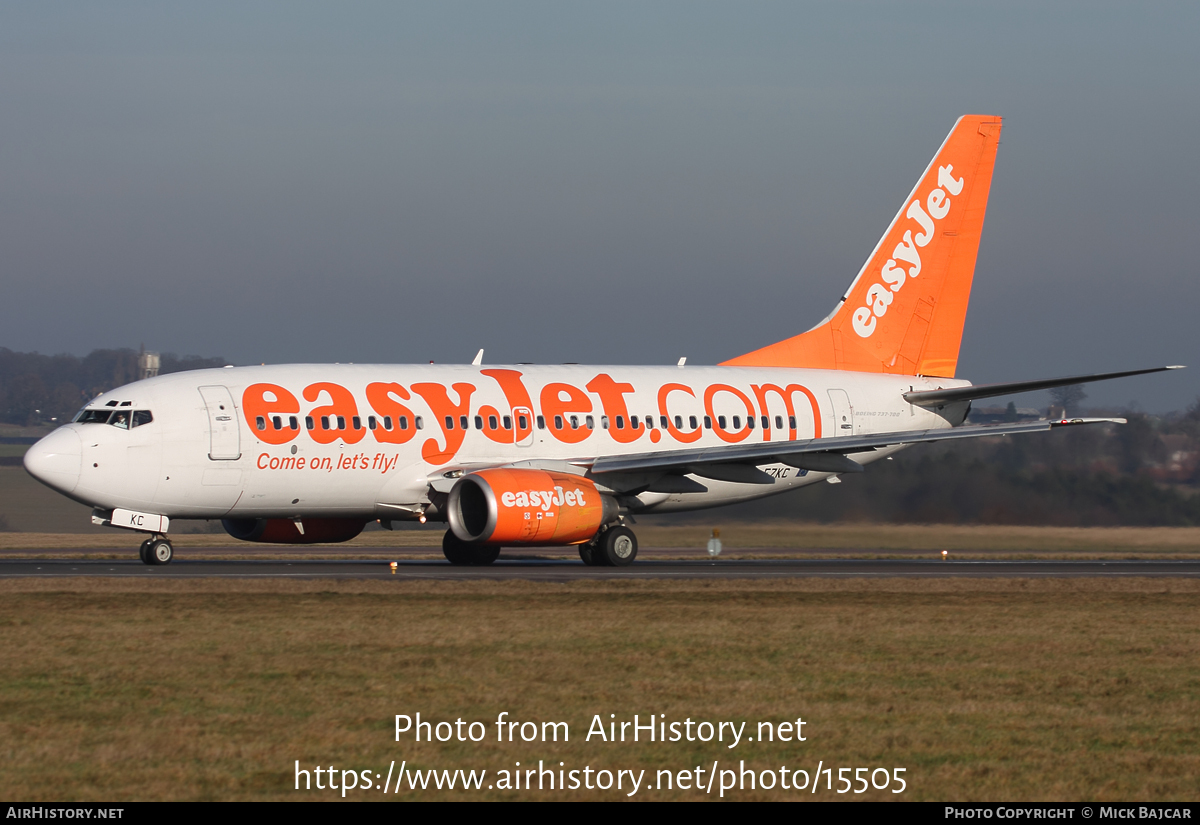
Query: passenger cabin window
[371, 424]
[260, 423]
[721, 421]
[692, 421]
[750, 422]
[632, 422]
[357, 423]
[277, 422]
[766, 423]
[492, 422]
[420, 422]
[522, 422]
[663, 422]
[324, 422]
[620, 422]
[479, 422]
[737, 422]
[708, 422]
[541, 422]
[341, 422]
[792, 421]
[558, 424]
[308, 422]
[293, 424]
[462, 421]
[507, 422]
[591, 422]
[779, 422]
[449, 422]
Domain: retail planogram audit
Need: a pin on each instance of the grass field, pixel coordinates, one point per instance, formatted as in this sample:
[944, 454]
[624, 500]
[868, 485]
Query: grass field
[980, 689]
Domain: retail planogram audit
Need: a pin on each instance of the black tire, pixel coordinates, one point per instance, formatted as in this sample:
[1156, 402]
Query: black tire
[617, 547]
[485, 554]
[458, 551]
[144, 552]
[160, 551]
[587, 552]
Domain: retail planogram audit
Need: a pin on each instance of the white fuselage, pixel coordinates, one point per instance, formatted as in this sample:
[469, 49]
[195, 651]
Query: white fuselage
[267, 442]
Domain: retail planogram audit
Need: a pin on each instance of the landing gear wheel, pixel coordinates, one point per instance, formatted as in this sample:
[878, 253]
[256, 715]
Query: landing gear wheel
[617, 547]
[458, 551]
[144, 552]
[587, 552]
[160, 551]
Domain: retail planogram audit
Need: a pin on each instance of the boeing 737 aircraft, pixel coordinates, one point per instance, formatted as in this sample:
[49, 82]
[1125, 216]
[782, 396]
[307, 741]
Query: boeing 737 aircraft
[522, 455]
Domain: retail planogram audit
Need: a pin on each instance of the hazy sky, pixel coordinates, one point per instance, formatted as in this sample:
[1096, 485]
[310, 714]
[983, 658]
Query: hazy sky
[606, 182]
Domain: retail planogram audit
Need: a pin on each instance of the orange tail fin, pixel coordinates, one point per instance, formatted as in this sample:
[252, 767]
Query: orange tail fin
[904, 313]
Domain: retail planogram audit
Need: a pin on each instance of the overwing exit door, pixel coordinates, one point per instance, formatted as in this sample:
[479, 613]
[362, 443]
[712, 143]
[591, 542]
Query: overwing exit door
[224, 440]
[523, 426]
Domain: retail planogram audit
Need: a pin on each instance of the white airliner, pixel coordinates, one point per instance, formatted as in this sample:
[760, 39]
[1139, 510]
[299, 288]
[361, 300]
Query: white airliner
[557, 455]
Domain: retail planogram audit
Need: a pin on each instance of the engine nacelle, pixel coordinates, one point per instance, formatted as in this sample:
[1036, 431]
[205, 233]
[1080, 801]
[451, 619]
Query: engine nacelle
[285, 531]
[527, 507]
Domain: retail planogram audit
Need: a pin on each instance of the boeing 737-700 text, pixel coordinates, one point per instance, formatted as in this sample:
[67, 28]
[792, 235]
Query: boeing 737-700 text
[557, 455]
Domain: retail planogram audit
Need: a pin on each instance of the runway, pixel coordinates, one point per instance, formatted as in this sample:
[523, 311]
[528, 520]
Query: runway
[564, 570]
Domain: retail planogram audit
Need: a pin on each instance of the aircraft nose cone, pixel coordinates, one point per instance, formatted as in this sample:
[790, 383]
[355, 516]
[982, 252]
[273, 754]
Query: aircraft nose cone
[55, 460]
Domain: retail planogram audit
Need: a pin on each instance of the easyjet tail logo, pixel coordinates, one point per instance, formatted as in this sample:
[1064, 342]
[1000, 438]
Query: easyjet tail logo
[894, 276]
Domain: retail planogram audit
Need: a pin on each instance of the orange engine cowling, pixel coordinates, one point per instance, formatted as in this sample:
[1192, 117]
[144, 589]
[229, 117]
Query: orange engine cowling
[285, 531]
[527, 507]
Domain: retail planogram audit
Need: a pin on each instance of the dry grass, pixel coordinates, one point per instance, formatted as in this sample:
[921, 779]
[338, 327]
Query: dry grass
[982, 689]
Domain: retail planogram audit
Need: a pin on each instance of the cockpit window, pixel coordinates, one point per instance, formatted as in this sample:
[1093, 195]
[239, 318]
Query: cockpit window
[124, 419]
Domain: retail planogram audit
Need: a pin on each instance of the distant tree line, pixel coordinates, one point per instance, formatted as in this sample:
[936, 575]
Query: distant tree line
[36, 388]
[1143, 473]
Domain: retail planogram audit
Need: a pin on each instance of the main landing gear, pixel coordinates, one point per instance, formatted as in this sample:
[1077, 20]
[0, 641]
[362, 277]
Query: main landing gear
[615, 547]
[458, 551]
[156, 550]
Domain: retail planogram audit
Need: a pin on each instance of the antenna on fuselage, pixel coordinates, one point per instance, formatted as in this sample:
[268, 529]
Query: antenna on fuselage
[478, 359]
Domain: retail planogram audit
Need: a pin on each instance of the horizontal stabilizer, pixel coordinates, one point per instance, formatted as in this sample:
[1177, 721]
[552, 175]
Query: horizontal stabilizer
[935, 398]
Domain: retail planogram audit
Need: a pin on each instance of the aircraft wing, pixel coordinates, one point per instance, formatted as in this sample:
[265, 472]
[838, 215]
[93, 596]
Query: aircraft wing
[816, 454]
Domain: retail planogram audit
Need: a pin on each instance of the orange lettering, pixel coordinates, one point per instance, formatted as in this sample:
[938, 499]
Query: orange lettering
[721, 432]
[612, 396]
[335, 420]
[517, 396]
[554, 406]
[760, 392]
[379, 396]
[664, 391]
[439, 402]
[256, 404]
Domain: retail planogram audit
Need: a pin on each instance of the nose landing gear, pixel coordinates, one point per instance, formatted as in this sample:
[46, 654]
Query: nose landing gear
[156, 550]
